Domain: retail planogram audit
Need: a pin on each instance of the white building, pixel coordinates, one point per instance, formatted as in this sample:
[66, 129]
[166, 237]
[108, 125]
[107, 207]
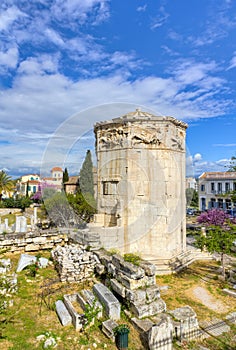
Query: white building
[215, 190]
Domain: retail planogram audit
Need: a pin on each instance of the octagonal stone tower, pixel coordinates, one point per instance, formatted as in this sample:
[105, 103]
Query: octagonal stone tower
[141, 186]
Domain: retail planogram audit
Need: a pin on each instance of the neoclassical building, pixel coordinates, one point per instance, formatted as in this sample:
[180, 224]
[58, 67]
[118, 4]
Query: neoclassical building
[215, 188]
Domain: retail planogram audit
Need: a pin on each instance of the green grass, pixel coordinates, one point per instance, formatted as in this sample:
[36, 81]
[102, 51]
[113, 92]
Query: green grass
[33, 315]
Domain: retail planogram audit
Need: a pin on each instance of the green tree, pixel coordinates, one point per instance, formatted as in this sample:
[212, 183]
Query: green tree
[6, 183]
[232, 164]
[86, 176]
[233, 197]
[60, 211]
[49, 192]
[85, 209]
[65, 176]
[220, 234]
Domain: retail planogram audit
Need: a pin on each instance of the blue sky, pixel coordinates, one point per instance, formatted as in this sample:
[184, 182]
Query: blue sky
[60, 59]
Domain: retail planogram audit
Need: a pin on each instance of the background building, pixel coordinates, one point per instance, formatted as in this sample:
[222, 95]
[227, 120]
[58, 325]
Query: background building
[215, 189]
[191, 182]
[28, 184]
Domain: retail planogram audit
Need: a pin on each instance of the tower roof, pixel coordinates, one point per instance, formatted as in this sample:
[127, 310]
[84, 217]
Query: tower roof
[139, 115]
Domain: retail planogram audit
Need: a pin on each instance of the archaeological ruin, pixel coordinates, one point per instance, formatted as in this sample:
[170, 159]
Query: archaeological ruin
[140, 186]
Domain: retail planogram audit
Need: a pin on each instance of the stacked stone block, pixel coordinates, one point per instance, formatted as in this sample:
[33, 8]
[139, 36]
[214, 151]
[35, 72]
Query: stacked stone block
[32, 241]
[185, 323]
[135, 284]
[74, 263]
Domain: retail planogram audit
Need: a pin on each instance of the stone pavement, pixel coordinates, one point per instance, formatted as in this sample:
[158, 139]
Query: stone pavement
[214, 327]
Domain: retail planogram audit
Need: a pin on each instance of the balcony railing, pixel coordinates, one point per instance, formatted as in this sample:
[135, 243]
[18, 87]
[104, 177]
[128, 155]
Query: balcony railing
[220, 193]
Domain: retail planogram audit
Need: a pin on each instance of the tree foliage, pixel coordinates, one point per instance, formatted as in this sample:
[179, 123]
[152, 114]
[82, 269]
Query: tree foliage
[232, 164]
[65, 176]
[86, 176]
[85, 209]
[214, 217]
[220, 233]
[6, 183]
[22, 203]
[59, 210]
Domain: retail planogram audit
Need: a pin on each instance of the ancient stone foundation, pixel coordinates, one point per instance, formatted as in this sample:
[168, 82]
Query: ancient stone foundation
[32, 241]
[129, 284]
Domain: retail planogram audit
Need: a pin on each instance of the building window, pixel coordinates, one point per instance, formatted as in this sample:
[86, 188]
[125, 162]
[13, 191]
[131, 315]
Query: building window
[212, 187]
[219, 187]
[212, 203]
[228, 203]
[220, 203]
[34, 189]
[234, 186]
[227, 187]
[203, 203]
[202, 188]
[109, 187]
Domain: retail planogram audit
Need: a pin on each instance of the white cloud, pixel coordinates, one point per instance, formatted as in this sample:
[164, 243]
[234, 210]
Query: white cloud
[39, 65]
[81, 10]
[54, 37]
[224, 144]
[141, 8]
[9, 58]
[160, 19]
[197, 157]
[9, 16]
[232, 62]
[42, 102]
[191, 72]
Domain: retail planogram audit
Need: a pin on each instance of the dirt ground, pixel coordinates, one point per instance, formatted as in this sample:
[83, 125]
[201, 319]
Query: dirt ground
[207, 299]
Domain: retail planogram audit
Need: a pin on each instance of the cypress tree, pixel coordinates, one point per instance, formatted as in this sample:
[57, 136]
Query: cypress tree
[65, 176]
[86, 176]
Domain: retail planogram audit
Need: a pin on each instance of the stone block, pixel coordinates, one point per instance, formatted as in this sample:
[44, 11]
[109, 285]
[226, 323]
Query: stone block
[111, 269]
[142, 326]
[86, 297]
[77, 317]
[160, 336]
[100, 269]
[43, 262]
[25, 260]
[39, 240]
[107, 328]
[48, 245]
[230, 292]
[118, 288]
[142, 310]
[152, 293]
[134, 284]
[32, 247]
[149, 269]
[129, 269]
[63, 313]
[136, 296]
[186, 323]
[109, 301]
[103, 257]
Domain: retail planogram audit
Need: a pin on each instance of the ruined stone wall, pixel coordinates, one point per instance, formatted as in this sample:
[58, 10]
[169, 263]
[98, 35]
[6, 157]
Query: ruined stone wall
[32, 241]
[5, 211]
[74, 263]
